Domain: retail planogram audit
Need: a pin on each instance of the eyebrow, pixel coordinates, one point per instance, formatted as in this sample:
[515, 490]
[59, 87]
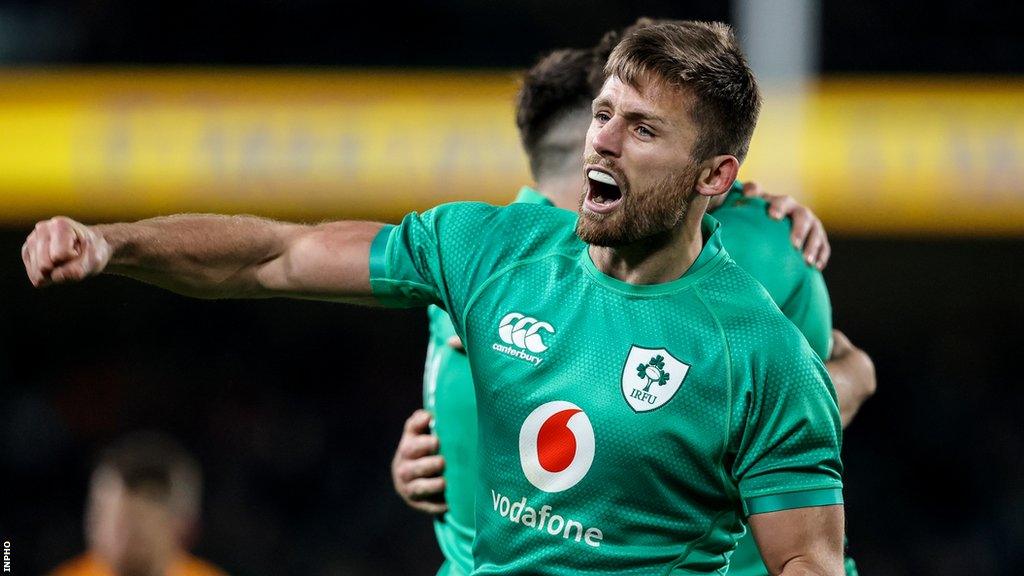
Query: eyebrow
[631, 115]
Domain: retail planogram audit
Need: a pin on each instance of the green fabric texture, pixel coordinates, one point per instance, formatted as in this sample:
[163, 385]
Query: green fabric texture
[448, 394]
[670, 405]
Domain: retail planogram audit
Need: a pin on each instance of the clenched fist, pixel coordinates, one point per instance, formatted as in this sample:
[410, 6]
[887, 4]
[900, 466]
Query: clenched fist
[62, 250]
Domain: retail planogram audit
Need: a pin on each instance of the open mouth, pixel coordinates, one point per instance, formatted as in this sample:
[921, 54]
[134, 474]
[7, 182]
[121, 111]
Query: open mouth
[603, 192]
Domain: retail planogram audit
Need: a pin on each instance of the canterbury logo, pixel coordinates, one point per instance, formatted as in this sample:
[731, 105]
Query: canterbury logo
[524, 332]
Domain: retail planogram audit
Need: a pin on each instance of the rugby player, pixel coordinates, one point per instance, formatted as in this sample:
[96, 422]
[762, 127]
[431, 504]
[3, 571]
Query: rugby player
[638, 394]
[553, 113]
[143, 510]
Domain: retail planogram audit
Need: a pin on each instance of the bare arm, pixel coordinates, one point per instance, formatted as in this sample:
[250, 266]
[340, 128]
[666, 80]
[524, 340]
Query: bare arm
[802, 541]
[209, 256]
[853, 375]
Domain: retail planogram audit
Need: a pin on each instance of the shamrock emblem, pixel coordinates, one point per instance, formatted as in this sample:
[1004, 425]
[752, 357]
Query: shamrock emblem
[653, 371]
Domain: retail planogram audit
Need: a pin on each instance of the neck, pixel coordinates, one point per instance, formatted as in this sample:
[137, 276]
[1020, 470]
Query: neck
[659, 259]
[563, 190]
[716, 201]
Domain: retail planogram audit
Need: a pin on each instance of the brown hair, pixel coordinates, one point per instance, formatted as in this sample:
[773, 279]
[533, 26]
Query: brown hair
[558, 84]
[703, 58]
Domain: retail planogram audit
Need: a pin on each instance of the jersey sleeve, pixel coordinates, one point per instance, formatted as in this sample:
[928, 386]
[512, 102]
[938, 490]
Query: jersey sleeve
[810, 309]
[788, 455]
[436, 257]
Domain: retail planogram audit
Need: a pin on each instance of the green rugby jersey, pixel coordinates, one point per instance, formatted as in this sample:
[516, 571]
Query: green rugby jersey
[448, 394]
[624, 429]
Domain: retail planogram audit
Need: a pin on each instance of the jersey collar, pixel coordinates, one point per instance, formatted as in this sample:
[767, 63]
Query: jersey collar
[528, 195]
[711, 255]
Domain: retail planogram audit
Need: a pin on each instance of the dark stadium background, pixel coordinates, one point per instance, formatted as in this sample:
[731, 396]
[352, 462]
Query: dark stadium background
[294, 408]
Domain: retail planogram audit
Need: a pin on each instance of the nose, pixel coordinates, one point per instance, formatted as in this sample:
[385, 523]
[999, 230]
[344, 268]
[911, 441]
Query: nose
[607, 139]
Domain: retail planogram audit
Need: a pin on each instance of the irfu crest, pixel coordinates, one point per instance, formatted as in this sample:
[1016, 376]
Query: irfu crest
[651, 377]
[654, 371]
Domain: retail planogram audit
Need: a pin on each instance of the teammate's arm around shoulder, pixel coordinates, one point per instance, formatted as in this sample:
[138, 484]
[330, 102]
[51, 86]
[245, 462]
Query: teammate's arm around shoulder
[209, 256]
[801, 541]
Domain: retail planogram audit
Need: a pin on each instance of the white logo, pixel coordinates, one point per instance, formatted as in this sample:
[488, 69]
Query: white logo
[525, 333]
[651, 377]
[522, 331]
[556, 446]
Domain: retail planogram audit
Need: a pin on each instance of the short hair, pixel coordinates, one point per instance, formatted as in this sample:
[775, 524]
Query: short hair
[705, 59]
[557, 85]
[607, 43]
[158, 466]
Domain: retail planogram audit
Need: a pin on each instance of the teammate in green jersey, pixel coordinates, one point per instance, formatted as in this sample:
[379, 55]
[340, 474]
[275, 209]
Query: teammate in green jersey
[552, 117]
[638, 394]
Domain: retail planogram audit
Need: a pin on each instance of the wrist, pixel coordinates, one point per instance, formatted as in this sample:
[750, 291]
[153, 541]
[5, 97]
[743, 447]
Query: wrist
[117, 241]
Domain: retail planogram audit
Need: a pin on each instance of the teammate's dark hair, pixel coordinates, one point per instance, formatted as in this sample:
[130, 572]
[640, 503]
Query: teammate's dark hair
[557, 85]
[705, 59]
[154, 464]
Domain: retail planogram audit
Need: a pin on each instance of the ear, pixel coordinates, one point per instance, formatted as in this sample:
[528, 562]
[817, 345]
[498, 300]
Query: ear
[717, 175]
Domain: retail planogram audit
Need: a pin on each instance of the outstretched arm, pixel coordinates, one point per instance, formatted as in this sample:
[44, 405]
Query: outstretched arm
[210, 256]
[801, 541]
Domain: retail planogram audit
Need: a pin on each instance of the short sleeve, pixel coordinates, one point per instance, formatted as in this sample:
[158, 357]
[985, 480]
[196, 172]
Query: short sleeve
[788, 455]
[438, 256]
[405, 263]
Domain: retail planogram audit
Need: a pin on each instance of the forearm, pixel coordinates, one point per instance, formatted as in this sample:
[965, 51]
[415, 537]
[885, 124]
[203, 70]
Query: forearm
[808, 567]
[206, 256]
[853, 376]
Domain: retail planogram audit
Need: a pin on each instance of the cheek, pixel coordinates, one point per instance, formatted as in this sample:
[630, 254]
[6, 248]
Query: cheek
[588, 144]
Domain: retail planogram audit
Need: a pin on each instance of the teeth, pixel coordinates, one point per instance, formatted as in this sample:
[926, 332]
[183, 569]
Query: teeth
[601, 177]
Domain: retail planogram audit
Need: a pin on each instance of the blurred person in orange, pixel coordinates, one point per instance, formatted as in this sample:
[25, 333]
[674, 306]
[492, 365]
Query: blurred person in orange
[142, 513]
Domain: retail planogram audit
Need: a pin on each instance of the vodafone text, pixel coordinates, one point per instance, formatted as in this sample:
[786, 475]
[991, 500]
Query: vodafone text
[543, 521]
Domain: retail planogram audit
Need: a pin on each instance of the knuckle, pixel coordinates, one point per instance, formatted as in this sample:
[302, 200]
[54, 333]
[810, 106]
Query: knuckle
[416, 490]
[402, 454]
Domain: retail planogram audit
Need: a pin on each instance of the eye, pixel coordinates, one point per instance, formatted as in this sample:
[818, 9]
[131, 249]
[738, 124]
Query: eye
[644, 131]
[601, 117]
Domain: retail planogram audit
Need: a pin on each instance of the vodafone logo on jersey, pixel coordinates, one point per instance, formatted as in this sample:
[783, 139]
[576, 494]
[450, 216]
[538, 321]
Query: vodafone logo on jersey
[556, 446]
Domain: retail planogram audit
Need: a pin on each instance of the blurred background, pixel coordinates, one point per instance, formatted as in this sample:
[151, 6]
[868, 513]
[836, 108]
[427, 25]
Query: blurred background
[900, 122]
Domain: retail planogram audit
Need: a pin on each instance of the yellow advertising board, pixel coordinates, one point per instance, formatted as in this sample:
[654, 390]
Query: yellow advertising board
[902, 155]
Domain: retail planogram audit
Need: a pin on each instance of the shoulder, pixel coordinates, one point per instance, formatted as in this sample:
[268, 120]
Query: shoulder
[522, 214]
[478, 229]
[512, 230]
[83, 565]
[746, 224]
[761, 246]
[750, 320]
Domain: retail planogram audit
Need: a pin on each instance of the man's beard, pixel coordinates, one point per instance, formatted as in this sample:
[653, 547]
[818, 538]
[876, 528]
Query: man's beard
[644, 214]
